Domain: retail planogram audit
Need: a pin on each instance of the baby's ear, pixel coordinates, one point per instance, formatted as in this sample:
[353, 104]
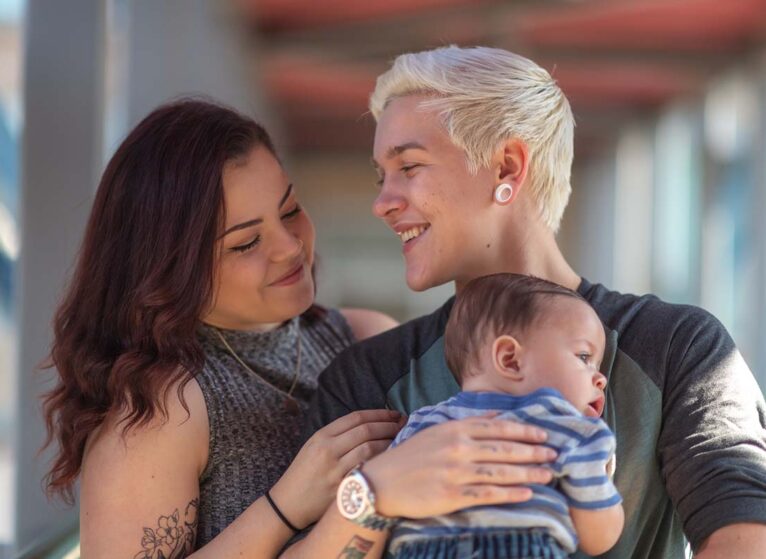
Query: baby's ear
[506, 357]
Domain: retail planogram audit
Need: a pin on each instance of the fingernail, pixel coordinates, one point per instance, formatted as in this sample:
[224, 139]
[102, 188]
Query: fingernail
[551, 454]
[541, 435]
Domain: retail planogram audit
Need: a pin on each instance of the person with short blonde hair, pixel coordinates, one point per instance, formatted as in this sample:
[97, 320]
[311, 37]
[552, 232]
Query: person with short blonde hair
[473, 150]
[485, 96]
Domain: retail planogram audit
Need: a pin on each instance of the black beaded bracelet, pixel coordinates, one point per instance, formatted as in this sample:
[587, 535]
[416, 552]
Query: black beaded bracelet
[281, 516]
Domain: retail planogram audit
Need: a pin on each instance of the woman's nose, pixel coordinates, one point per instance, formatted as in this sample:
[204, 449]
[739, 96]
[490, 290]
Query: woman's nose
[286, 245]
[388, 201]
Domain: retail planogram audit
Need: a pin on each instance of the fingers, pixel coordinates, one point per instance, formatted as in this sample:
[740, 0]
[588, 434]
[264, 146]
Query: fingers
[483, 494]
[362, 453]
[503, 474]
[490, 428]
[510, 453]
[363, 433]
[359, 417]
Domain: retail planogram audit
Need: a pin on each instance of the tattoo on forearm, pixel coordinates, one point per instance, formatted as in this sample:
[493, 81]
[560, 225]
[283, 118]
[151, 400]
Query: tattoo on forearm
[357, 548]
[173, 538]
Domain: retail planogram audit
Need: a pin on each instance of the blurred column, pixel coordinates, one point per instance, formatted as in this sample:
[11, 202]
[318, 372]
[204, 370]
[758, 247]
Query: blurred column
[759, 362]
[587, 230]
[60, 159]
[634, 183]
[189, 47]
[677, 204]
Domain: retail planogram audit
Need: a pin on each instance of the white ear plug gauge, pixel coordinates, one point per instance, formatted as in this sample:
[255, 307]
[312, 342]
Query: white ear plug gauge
[503, 193]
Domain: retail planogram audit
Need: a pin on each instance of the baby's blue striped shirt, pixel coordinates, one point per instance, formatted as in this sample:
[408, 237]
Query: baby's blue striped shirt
[584, 445]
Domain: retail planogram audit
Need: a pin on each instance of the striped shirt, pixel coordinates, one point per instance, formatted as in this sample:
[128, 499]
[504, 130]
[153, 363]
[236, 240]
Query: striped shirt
[584, 446]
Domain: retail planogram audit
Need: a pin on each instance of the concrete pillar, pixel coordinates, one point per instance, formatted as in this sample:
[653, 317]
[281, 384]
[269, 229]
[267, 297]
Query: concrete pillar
[61, 151]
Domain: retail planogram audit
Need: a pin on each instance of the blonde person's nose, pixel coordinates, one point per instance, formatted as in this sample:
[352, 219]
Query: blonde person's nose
[388, 202]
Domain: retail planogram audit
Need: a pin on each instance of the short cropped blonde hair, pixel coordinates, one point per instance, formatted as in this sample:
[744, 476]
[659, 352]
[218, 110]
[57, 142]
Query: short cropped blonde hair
[486, 96]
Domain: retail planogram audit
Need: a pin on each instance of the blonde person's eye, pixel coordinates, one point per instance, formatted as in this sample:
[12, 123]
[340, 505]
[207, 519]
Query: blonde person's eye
[407, 169]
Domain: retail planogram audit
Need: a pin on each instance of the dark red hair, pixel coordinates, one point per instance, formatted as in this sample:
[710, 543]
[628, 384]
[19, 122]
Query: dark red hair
[125, 330]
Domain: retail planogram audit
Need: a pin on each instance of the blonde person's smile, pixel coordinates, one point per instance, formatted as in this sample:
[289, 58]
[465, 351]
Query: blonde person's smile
[409, 233]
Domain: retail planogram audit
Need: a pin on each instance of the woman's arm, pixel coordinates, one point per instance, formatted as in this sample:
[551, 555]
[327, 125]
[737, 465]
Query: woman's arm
[139, 495]
[458, 464]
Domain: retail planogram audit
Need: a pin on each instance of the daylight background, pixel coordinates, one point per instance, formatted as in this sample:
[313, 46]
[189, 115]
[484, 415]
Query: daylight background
[669, 183]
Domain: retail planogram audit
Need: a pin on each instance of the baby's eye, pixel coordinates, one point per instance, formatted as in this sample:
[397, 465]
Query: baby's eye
[584, 357]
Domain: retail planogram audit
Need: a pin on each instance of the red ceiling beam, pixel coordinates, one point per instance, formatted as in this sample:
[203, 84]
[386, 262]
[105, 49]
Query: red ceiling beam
[594, 84]
[303, 14]
[342, 89]
[705, 25]
[307, 86]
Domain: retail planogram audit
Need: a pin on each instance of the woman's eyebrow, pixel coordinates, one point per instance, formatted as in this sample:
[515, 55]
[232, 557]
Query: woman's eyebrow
[259, 220]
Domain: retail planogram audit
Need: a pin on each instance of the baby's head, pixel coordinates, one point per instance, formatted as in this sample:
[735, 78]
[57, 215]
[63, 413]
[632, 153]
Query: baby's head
[514, 334]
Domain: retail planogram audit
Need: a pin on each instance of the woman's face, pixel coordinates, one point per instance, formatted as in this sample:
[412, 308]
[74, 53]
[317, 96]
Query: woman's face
[266, 248]
[428, 197]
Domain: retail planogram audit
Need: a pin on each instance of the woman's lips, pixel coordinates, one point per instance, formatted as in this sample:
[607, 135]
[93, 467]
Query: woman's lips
[292, 277]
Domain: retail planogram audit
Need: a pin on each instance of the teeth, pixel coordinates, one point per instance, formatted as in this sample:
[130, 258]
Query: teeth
[412, 233]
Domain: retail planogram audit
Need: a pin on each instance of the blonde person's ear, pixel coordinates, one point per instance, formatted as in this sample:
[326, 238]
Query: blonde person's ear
[506, 358]
[512, 164]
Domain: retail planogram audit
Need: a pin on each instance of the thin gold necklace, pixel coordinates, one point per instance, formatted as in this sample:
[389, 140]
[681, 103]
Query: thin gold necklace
[291, 404]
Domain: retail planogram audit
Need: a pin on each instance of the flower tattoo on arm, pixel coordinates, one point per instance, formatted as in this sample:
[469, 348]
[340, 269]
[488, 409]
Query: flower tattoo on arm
[173, 538]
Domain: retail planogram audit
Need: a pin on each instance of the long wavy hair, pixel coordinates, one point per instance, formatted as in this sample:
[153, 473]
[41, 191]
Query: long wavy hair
[124, 333]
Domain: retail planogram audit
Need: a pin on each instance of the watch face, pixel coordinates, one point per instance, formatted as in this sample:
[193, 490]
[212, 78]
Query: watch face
[351, 498]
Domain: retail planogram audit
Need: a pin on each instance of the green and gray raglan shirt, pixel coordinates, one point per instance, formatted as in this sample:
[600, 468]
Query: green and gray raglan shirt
[689, 418]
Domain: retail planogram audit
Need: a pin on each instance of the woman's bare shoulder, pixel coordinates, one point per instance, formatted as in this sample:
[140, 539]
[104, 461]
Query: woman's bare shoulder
[178, 429]
[366, 323]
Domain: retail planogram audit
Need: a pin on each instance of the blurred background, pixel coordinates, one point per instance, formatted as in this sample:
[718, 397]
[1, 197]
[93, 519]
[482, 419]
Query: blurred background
[669, 182]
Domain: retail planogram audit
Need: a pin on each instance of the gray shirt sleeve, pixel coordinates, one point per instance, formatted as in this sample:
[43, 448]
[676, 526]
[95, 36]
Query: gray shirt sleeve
[712, 444]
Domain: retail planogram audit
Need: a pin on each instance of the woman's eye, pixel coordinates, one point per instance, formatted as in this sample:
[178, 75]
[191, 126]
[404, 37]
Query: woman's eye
[292, 213]
[248, 246]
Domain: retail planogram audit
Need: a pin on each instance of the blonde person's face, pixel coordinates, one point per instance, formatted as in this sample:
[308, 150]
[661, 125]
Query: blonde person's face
[563, 350]
[263, 273]
[428, 197]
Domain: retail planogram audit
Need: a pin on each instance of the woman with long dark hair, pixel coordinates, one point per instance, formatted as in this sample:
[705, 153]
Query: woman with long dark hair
[188, 344]
[187, 347]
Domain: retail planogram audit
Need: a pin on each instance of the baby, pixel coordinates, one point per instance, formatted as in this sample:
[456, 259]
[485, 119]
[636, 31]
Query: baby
[530, 350]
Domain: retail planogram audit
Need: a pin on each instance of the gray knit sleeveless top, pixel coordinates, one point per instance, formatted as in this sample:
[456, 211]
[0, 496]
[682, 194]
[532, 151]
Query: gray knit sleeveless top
[253, 437]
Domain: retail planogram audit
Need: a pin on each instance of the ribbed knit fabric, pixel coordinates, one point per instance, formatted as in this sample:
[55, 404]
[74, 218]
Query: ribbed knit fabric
[253, 438]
